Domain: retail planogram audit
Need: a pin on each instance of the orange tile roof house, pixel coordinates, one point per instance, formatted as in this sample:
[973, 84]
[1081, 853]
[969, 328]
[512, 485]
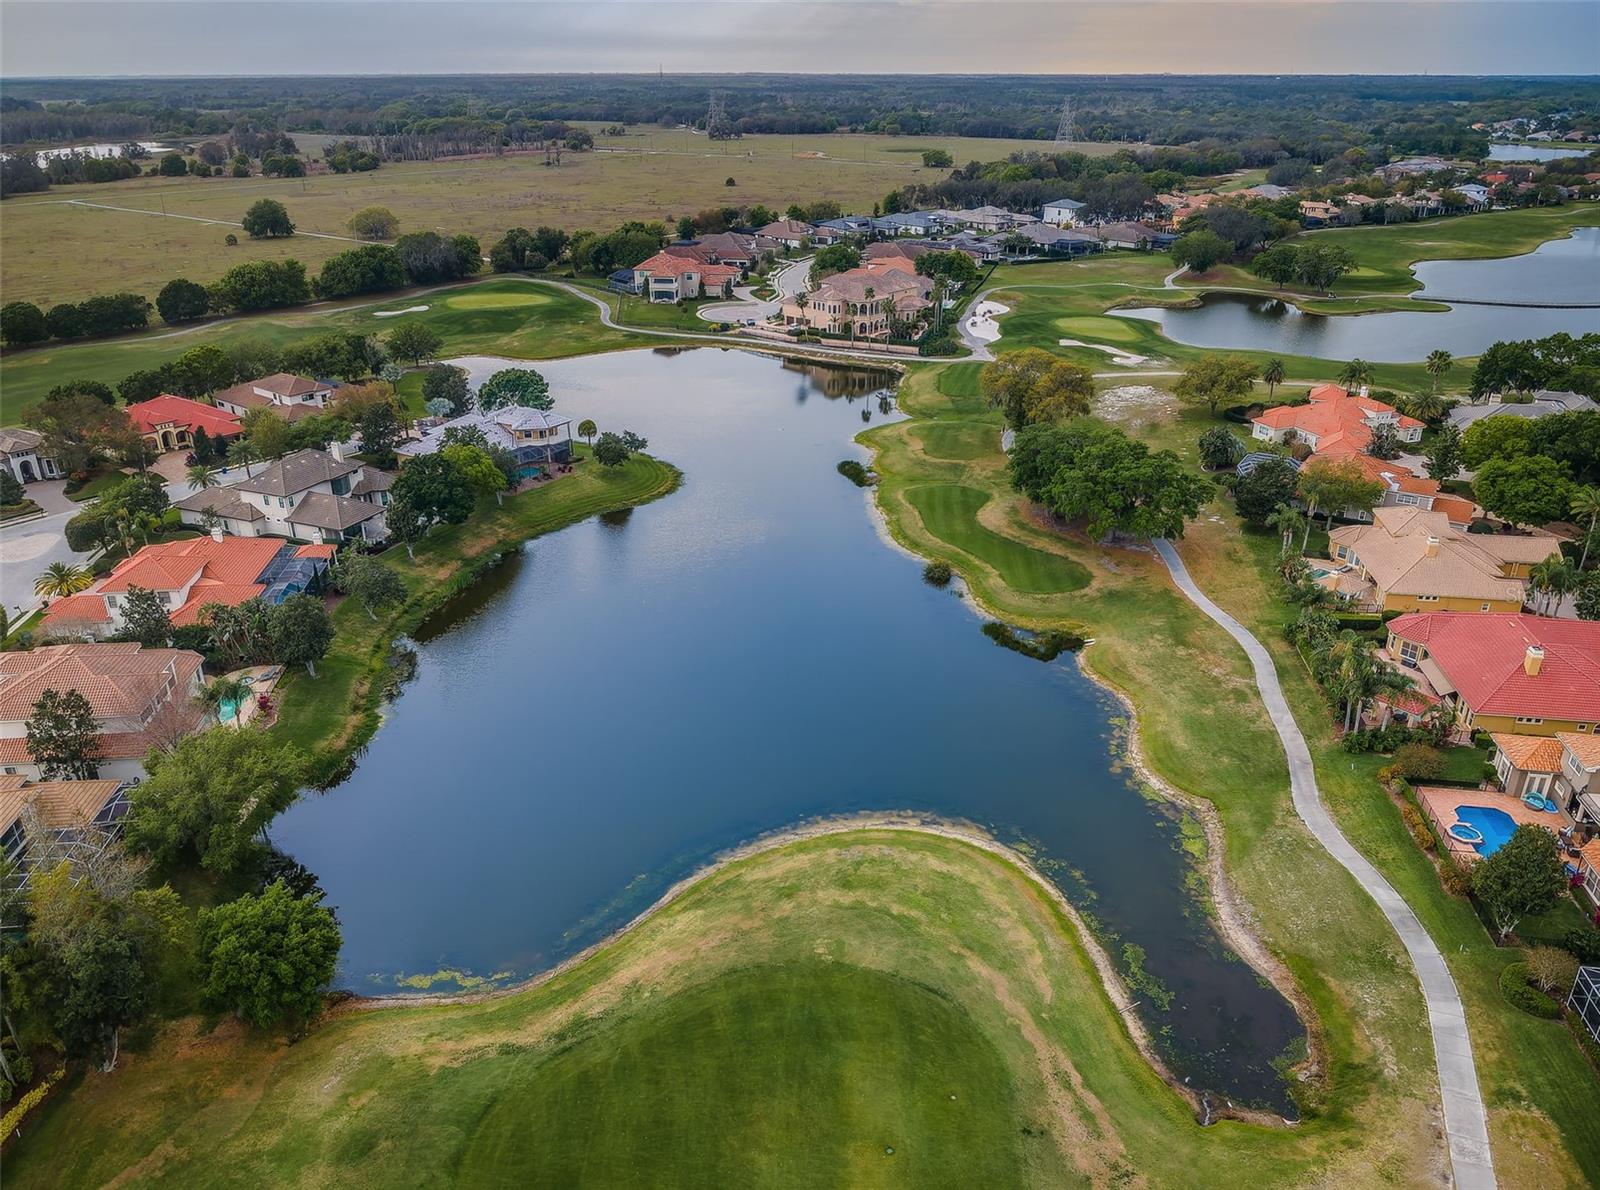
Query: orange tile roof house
[1403, 489]
[1335, 423]
[169, 423]
[1517, 674]
[1562, 767]
[1417, 561]
[141, 699]
[291, 397]
[669, 278]
[187, 575]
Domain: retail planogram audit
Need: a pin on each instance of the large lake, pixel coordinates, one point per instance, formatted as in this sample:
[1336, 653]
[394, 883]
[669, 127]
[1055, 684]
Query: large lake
[1566, 270]
[636, 693]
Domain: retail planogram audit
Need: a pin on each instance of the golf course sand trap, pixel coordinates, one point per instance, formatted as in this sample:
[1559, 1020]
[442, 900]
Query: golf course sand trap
[1118, 356]
[397, 313]
[981, 323]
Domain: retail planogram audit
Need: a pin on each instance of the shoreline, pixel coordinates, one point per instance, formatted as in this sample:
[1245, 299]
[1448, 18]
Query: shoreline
[907, 821]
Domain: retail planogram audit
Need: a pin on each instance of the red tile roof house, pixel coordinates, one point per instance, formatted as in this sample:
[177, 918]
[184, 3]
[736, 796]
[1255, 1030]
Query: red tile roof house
[141, 699]
[1503, 672]
[168, 422]
[1335, 424]
[44, 822]
[291, 397]
[187, 575]
[668, 278]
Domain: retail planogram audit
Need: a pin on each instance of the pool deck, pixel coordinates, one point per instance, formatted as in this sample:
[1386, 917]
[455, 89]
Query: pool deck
[1441, 801]
[263, 680]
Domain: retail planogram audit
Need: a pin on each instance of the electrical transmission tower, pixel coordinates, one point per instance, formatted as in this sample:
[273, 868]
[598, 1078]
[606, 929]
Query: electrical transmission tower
[1065, 132]
[718, 126]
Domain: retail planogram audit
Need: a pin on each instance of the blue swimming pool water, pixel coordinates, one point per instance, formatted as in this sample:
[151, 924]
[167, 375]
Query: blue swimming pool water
[227, 710]
[1494, 825]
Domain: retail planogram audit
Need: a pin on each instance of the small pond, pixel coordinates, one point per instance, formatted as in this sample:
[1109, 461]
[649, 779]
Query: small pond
[638, 692]
[1533, 153]
[1566, 270]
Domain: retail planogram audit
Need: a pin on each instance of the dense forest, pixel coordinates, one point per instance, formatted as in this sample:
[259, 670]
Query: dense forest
[1260, 117]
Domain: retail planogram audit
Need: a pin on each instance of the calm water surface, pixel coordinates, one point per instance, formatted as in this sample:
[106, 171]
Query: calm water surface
[1532, 153]
[1558, 271]
[636, 693]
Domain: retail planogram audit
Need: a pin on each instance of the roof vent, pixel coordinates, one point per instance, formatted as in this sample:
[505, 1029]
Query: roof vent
[1533, 661]
[1364, 390]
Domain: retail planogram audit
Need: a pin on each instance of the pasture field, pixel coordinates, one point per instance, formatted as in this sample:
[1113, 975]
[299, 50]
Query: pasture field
[57, 249]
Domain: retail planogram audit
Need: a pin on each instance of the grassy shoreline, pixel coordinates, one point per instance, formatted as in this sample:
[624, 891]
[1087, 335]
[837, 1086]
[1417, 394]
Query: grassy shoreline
[333, 715]
[922, 972]
[1201, 729]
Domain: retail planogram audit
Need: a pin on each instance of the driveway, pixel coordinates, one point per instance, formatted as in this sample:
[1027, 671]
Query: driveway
[788, 279]
[28, 549]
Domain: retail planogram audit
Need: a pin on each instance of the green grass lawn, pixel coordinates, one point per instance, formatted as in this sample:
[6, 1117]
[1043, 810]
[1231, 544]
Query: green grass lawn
[786, 1022]
[957, 441]
[950, 512]
[98, 484]
[509, 316]
[333, 714]
[1202, 728]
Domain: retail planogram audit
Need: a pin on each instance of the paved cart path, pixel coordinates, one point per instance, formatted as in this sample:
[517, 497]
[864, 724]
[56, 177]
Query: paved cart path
[1465, 1123]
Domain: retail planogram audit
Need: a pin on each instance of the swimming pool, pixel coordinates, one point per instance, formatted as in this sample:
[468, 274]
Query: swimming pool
[1494, 825]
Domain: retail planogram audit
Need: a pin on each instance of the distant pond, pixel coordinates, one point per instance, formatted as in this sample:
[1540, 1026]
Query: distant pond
[1566, 270]
[1533, 153]
[636, 693]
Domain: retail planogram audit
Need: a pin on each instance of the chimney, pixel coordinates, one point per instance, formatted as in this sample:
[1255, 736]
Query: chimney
[216, 533]
[1364, 390]
[336, 449]
[1433, 546]
[1533, 661]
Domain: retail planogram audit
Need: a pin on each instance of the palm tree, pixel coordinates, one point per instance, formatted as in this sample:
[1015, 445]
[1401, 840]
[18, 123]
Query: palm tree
[201, 477]
[1288, 521]
[871, 293]
[1437, 364]
[1356, 373]
[1273, 374]
[587, 430]
[61, 579]
[1553, 579]
[242, 454]
[1586, 503]
[224, 690]
[1428, 407]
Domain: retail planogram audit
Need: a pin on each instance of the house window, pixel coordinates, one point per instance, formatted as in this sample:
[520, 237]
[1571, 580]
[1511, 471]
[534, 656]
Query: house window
[1427, 599]
[1408, 653]
[1529, 721]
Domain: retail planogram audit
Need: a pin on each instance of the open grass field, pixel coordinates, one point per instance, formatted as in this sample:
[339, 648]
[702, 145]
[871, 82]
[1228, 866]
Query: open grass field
[874, 1007]
[55, 249]
[334, 713]
[953, 512]
[1202, 729]
[509, 316]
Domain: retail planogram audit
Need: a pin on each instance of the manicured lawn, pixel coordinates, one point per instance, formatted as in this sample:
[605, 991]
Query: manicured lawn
[333, 714]
[1202, 728]
[786, 1022]
[957, 441]
[98, 484]
[950, 512]
[505, 315]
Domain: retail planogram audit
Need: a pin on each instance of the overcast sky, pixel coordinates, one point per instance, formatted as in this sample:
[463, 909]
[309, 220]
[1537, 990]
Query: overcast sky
[138, 37]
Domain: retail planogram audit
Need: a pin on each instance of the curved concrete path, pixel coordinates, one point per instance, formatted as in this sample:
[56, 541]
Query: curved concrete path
[1465, 1124]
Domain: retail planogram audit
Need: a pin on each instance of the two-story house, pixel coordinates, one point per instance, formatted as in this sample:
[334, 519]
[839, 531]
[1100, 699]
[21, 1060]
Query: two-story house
[862, 302]
[666, 277]
[1412, 559]
[141, 699]
[291, 397]
[1335, 422]
[1517, 674]
[535, 437]
[310, 495]
[187, 575]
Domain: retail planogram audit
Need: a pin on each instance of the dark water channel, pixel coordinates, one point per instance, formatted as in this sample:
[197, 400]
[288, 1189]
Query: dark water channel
[636, 693]
[1565, 270]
